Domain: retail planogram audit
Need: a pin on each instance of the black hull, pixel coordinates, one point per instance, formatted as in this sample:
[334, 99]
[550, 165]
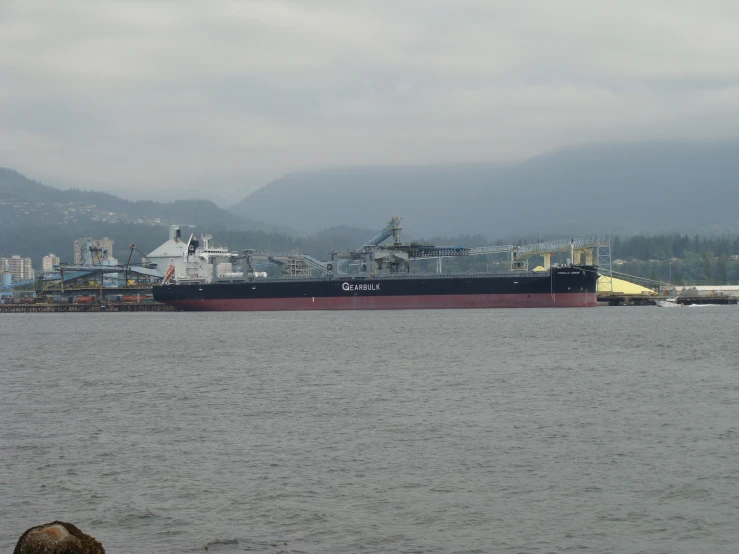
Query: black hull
[566, 287]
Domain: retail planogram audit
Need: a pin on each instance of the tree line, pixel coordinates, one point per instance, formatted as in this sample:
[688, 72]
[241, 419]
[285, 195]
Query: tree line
[667, 246]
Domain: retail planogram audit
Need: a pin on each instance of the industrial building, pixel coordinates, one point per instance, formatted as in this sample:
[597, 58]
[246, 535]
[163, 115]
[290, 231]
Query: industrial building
[171, 252]
[704, 290]
[89, 251]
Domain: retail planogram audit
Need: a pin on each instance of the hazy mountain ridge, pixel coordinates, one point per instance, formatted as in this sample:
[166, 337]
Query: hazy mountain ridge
[24, 201]
[625, 188]
[36, 219]
[696, 191]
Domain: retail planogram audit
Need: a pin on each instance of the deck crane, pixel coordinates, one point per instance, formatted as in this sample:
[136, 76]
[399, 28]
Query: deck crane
[397, 254]
[373, 257]
[128, 263]
[96, 255]
[392, 229]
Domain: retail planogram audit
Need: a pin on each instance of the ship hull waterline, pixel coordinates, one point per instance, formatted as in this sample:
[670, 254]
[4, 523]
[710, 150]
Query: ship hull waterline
[456, 301]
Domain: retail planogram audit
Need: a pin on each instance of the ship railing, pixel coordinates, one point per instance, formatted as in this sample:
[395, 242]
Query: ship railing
[401, 276]
[463, 275]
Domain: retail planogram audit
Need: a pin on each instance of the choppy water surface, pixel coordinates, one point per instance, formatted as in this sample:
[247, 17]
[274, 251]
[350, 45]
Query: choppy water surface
[596, 430]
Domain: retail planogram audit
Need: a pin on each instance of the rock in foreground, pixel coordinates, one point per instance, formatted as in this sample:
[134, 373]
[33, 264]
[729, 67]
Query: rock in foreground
[58, 537]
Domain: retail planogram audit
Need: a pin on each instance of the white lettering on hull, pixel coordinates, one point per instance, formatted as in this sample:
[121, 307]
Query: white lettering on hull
[361, 286]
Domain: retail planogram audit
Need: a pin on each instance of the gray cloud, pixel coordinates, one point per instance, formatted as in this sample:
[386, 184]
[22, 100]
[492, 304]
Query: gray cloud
[162, 94]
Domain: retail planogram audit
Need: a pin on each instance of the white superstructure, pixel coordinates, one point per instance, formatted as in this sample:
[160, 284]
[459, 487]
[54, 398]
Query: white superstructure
[204, 262]
[193, 259]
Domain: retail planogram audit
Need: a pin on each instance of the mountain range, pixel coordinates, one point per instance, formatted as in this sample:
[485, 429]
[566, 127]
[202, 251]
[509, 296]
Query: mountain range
[24, 201]
[36, 220]
[626, 188]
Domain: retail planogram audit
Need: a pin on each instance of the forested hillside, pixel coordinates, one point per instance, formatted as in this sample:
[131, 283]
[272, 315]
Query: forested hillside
[24, 202]
[627, 188]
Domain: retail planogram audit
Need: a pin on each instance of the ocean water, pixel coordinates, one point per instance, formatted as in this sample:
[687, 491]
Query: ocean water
[572, 430]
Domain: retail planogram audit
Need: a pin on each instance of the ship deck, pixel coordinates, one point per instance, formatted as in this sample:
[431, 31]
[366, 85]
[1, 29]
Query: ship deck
[389, 276]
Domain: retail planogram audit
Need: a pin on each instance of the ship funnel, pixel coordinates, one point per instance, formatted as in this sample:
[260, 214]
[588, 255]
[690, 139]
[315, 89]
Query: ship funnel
[174, 232]
[192, 244]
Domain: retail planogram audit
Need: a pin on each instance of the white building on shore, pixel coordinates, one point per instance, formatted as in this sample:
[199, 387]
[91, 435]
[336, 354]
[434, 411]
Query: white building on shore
[48, 263]
[19, 268]
[704, 290]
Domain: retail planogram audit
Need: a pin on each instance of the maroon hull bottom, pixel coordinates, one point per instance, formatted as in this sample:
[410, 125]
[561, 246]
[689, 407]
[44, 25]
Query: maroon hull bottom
[458, 301]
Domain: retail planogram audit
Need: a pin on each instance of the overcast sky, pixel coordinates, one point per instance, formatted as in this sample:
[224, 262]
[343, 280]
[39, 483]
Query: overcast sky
[158, 94]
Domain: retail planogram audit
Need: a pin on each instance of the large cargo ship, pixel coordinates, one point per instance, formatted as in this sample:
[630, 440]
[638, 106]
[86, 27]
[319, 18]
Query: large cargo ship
[372, 278]
[573, 286]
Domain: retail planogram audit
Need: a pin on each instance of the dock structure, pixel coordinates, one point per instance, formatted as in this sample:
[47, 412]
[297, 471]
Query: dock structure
[82, 308]
[620, 299]
[721, 300]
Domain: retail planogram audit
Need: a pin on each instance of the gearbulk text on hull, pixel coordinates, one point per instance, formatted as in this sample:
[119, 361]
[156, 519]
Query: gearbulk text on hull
[573, 286]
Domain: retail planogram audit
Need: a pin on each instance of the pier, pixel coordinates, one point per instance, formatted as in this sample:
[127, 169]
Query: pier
[708, 300]
[617, 299]
[653, 300]
[80, 308]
